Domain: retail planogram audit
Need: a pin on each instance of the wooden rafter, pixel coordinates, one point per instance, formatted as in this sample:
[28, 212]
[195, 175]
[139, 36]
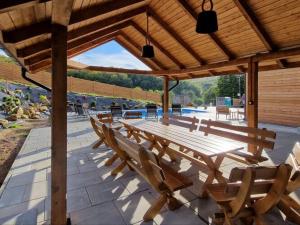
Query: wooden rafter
[78, 42]
[218, 43]
[138, 48]
[82, 31]
[61, 12]
[265, 38]
[157, 45]
[9, 5]
[36, 29]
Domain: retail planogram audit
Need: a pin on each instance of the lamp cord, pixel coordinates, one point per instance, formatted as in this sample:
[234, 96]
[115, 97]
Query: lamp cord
[147, 35]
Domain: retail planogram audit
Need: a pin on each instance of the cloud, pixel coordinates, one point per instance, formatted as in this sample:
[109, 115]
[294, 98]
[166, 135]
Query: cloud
[122, 59]
[2, 52]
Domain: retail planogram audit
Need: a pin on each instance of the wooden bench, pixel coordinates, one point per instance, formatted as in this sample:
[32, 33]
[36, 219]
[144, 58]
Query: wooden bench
[259, 138]
[183, 121]
[287, 204]
[223, 110]
[160, 176]
[105, 117]
[250, 193]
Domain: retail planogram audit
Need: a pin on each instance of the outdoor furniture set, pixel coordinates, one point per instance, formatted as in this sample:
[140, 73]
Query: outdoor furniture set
[247, 195]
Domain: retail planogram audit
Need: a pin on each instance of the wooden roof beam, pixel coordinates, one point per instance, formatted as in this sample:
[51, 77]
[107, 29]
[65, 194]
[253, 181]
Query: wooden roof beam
[61, 12]
[265, 38]
[193, 15]
[78, 42]
[81, 31]
[39, 28]
[10, 5]
[175, 36]
[157, 45]
[138, 48]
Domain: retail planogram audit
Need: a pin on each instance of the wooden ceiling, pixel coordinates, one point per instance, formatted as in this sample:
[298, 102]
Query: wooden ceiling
[246, 27]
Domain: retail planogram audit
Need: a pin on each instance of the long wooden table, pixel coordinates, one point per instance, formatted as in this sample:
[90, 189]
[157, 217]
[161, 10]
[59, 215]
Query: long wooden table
[208, 151]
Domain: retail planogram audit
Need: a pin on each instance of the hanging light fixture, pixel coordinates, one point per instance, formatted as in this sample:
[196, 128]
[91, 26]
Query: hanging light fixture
[207, 21]
[148, 51]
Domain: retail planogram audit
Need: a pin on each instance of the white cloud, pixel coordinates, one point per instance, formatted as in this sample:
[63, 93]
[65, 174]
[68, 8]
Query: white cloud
[122, 59]
[2, 52]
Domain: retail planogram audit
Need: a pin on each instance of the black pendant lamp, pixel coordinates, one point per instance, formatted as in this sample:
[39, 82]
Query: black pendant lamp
[148, 51]
[207, 21]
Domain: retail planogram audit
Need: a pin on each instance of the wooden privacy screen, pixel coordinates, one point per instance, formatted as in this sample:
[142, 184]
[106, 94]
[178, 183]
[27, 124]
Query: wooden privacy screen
[12, 72]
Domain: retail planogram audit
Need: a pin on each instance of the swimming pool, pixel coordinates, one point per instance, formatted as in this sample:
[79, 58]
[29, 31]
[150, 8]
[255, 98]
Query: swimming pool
[184, 111]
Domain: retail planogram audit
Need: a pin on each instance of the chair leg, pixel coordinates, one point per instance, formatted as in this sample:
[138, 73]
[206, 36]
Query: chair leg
[118, 169]
[155, 208]
[98, 143]
[173, 203]
[111, 160]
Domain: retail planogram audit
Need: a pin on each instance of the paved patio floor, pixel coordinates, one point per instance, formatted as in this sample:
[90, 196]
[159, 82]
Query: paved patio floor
[95, 197]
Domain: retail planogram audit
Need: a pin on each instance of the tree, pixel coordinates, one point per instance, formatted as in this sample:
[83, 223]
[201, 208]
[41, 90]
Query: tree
[229, 85]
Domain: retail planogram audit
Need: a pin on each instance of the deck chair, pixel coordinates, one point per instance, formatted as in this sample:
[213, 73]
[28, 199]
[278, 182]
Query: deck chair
[151, 111]
[160, 176]
[260, 139]
[224, 110]
[287, 204]
[98, 130]
[105, 117]
[176, 109]
[250, 194]
[133, 115]
[116, 111]
[182, 121]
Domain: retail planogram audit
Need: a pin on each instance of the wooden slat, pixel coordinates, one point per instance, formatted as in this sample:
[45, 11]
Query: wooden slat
[9, 5]
[43, 27]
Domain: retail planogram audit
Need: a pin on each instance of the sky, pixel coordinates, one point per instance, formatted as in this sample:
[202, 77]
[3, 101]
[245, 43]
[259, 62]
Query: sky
[110, 54]
[2, 52]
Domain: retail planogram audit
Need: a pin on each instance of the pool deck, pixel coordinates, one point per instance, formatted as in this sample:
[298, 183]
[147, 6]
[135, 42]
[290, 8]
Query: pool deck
[94, 196]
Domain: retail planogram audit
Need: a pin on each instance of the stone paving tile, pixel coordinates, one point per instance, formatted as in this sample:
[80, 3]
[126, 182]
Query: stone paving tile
[77, 199]
[27, 178]
[12, 196]
[37, 190]
[103, 214]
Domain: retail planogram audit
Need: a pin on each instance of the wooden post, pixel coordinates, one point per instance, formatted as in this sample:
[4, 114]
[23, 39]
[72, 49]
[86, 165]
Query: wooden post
[252, 96]
[166, 95]
[59, 125]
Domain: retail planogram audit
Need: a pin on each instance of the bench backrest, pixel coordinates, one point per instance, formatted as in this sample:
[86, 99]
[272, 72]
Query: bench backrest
[133, 115]
[105, 117]
[182, 121]
[141, 160]
[251, 182]
[222, 109]
[261, 138]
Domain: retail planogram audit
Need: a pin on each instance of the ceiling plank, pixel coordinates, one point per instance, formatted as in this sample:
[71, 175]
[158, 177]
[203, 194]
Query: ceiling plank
[176, 37]
[39, 28]
[10, 5]
[138, 48]
[265, 38]
[157, 45]
[82, 31]
[78, 42]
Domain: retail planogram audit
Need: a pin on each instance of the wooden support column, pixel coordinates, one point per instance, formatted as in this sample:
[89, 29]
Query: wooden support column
[59, 125]
[252, 96]
[166, 95]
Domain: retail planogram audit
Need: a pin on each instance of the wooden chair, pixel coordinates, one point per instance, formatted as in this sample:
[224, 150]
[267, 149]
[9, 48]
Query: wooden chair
[250, 194]
[105, 117]
[259, 138]
[287, 204]
[133, 115]
[183, 121]
[222, 110]
[98, 130]
[160, 176]
[176, 109]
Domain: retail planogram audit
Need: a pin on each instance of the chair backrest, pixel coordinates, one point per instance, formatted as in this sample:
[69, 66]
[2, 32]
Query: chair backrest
[296, 152]
[269, 182]
[182, 121]
[294, 161]
[97, 127]
[116, 111]
[261, 138]
[105, 117]
[176, 109]
[222, 109]
[151, 110]
[133, 115]
[143, 161]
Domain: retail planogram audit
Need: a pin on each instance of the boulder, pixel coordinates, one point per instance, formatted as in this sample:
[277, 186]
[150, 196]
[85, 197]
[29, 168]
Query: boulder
[24, 116]
[3, 123]
[12, 117]
[43, 108]
[19, 112]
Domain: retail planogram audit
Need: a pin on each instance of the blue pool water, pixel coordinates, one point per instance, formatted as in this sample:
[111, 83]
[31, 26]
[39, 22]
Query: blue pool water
[184, 111]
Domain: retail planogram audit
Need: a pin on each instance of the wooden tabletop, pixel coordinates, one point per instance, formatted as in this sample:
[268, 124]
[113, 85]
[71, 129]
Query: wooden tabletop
[194, 141]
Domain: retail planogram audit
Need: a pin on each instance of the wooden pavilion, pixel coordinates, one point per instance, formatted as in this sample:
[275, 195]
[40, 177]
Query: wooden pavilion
[253, 36]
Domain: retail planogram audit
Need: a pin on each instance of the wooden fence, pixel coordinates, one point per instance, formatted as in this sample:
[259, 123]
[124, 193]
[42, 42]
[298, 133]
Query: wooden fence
[12, 72]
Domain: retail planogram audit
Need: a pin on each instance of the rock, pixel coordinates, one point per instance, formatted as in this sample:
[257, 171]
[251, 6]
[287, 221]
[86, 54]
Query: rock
[19, 112]
[12, 117]
[24, 116]
[4, 123]
[35, 117]
[43, 108]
